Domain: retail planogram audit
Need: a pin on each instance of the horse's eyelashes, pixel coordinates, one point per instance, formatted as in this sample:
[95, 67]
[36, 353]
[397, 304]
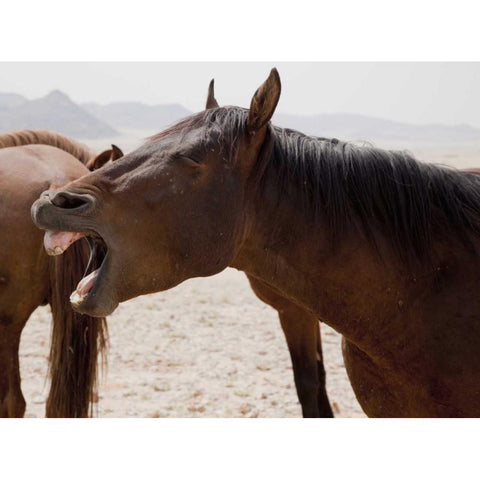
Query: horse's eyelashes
[175, 156]
[192, 159]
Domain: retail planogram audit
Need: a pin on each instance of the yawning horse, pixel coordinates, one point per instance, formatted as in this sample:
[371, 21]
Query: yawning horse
[30, 162]
[300, 328]
[381, 247]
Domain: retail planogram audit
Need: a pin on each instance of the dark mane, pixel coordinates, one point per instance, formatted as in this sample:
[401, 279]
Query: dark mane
[382, 192]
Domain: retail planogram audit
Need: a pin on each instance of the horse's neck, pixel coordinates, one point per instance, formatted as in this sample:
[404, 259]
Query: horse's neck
[343, 286]
[45, 137]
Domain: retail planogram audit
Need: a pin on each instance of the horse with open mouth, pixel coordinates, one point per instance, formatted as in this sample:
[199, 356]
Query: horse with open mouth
[30, 161]
[381, 247]
[301, 328]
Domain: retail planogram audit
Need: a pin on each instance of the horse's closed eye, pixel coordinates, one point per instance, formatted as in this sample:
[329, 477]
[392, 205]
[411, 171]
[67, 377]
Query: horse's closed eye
[189, 159]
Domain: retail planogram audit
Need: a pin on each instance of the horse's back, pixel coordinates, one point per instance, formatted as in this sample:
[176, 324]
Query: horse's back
[25, 172]
[26, 169]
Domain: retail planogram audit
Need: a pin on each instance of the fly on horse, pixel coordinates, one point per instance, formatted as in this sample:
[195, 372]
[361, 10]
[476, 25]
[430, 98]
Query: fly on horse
[379, 246]
[31, 161]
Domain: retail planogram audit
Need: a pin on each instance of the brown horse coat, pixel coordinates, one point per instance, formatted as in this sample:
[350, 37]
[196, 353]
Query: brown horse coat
[379, 246]
[30, 162]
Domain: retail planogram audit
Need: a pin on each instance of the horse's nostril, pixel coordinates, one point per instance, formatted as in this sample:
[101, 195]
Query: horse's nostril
[70, 200]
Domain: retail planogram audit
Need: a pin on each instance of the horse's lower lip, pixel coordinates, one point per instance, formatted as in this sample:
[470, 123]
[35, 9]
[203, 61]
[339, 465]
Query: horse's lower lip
[88, 283]
[100, 300]
[84, 287]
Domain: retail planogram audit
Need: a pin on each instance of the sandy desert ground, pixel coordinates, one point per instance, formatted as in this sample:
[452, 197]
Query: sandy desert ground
[208, 348]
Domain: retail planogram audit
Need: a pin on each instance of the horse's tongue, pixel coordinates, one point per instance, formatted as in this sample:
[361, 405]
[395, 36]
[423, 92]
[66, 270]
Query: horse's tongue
[83, 287]
[86, 284]
[56, 243]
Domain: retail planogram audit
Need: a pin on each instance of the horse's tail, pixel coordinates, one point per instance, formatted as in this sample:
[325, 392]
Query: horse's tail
[77, 340]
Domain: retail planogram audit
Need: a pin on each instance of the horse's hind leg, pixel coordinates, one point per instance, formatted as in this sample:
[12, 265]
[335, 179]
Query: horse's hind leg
[324, 407]
[302, 332]
[12, 403]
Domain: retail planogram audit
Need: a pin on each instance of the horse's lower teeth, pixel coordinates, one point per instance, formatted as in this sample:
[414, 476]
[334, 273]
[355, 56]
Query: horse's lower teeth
[76, 298]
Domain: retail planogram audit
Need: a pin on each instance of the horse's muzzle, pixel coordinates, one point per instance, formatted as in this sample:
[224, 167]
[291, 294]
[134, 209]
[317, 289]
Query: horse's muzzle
[48, 212]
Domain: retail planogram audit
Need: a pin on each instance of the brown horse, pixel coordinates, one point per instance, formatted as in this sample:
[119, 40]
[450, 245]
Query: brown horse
[31, 161]
[299, 327]
[379, 246]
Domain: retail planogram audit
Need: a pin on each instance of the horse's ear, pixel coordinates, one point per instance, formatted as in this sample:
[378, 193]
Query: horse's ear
[100, 160]
[116, 153]
[264, 102]
[211, 101]
[103, 158]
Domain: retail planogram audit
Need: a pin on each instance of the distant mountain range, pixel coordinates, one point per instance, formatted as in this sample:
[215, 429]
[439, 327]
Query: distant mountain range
[11, 100]
[359, 127]
[56, 111]
[136, 115]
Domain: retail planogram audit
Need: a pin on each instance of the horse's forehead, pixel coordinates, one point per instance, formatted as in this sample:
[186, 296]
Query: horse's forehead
[154, 154]
[179, 141]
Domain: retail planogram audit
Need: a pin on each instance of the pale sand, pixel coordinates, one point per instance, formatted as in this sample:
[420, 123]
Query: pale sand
[208, 348]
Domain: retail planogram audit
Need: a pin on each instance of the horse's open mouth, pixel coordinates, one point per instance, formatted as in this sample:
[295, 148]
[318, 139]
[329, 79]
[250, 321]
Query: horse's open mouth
[57, 242]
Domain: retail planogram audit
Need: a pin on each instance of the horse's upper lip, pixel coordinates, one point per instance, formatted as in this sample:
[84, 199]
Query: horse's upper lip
[38, 212]
[48, 216]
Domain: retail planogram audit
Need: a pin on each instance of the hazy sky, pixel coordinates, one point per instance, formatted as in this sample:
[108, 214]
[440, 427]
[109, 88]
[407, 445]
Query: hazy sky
[446, 93]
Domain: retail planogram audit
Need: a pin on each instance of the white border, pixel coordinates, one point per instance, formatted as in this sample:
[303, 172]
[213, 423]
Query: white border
[250, 30]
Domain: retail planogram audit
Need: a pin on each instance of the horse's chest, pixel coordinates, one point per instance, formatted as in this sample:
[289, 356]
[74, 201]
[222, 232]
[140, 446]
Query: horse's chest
[387, 392]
